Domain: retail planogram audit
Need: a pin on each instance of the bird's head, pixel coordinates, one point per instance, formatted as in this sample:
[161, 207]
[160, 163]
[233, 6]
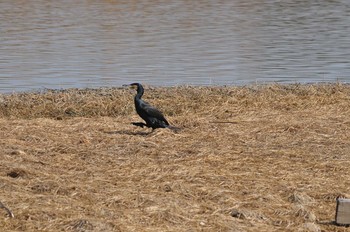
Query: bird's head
[133, 85]
[136, 86]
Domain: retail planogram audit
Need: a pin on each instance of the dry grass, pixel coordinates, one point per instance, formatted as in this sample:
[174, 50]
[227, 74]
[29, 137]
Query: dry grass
[255, 158]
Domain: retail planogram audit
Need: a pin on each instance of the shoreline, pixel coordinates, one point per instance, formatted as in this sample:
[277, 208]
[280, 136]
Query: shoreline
[106, 101]
[244, 84]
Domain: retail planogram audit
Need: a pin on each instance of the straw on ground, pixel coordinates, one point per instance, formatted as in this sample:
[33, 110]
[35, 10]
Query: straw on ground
[253, 158]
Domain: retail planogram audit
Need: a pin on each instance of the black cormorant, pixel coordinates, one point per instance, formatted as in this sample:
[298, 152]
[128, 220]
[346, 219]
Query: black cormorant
[152, 116]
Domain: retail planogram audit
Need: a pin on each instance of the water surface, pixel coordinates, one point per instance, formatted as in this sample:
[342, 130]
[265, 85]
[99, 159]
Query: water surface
[65, 44]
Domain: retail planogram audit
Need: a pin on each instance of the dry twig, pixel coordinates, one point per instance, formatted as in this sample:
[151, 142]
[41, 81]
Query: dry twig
[9, 212]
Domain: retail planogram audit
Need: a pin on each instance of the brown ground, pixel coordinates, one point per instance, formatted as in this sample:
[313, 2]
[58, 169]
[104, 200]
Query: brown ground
[255, 158]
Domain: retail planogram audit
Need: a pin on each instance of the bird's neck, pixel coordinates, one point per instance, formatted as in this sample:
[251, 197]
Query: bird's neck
[139, 93]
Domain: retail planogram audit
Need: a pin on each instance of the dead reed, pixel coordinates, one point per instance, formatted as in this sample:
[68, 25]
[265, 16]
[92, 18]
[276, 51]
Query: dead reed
[252, 158]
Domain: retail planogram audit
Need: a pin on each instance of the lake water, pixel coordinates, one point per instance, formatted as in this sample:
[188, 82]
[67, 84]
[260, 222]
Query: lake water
[65, 44]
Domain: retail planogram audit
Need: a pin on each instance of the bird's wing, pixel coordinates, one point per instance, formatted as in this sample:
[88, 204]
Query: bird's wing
[153, 112]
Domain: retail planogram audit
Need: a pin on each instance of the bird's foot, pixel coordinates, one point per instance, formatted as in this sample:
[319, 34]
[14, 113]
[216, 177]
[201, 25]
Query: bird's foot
[140, 124]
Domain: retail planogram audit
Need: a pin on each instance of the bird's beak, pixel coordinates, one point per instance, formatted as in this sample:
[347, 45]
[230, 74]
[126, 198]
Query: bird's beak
[130, 86]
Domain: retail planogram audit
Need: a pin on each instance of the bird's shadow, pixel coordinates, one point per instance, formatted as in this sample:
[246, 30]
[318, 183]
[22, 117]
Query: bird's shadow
[141, 133]
[125, 132]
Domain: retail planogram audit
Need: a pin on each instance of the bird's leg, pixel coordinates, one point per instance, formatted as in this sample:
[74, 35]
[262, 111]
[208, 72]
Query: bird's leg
[140, 124]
